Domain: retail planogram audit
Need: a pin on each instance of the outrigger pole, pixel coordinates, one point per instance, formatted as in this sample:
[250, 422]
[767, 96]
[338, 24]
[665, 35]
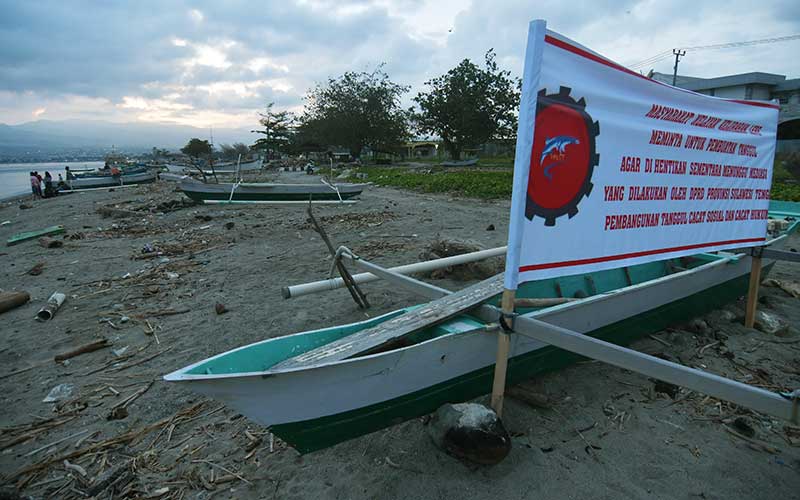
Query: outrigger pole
[784, 406]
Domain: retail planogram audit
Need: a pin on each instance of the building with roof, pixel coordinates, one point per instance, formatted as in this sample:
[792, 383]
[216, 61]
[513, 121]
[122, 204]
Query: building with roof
[752, 86]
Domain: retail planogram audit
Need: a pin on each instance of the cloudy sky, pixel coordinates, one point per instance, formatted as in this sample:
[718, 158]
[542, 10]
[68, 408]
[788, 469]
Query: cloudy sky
[215, 63]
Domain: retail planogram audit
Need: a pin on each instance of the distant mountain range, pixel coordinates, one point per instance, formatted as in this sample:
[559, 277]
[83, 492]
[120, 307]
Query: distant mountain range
[50, 137]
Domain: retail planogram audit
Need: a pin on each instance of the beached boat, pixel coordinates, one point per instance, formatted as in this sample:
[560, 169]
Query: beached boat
[317, 403]
[88, 181]
[232, 168]
[179, 169]
[267, 192]
[460, 163]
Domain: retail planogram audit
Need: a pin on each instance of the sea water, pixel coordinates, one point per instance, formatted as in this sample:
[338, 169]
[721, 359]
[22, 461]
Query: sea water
[15, 177]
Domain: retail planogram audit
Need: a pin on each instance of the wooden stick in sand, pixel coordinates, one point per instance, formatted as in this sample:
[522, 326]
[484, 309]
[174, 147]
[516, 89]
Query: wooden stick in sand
[91, 347]
[10, 300]
[352, 287]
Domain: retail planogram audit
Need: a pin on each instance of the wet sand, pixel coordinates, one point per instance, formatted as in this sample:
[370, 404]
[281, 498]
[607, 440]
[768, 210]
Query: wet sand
[605, 434]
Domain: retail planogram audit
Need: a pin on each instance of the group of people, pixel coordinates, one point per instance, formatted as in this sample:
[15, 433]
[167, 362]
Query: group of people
[43, 187]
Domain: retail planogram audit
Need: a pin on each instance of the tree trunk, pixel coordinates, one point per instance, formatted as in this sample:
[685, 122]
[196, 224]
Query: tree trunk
[454, 150]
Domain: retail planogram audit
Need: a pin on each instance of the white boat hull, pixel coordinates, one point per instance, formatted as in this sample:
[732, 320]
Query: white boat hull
[307, 393]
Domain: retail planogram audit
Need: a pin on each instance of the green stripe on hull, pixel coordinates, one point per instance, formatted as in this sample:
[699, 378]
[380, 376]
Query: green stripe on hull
[316, 434]
[332, 196]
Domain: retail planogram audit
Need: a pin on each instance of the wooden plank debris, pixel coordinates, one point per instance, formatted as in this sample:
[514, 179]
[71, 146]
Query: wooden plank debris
[373, 339]
[10, 300]
[91, 347]
[29, 235]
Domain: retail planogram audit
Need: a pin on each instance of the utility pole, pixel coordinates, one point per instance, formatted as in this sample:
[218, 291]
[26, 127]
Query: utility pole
[678, 54]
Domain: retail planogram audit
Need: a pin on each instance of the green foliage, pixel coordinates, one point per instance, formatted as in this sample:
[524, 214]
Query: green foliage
[356, 110]
[197, 148]
[473, 184]
[469, 106]
[277, 131]
[785, 192]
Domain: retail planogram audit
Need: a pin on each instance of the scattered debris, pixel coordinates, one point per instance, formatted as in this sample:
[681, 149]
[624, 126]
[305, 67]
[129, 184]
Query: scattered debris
[10, 300]
[229, 225]
[770, 323]
[220, 308]
[490, 227]
[662, 387]
[353, 220]
[792, 288]
[46, 242]
[744, 427]
[117, 213]
[471, 432]
[463, 272]
[59, 393]
[49, 310]
[698, 326]
[36, 270]
[94, 346]
[528, 396]
[173, 205]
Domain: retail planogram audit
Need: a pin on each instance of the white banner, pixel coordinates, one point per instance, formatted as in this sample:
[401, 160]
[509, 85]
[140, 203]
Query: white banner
[625, 170]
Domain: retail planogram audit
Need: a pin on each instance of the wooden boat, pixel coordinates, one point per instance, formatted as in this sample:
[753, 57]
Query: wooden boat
[232, 168]
[179, 169]
[312, 402]
[99, 181]
[460, 163]
[267, 192]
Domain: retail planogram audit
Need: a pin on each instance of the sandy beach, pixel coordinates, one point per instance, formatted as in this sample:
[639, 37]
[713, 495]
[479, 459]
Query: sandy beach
[604, 433]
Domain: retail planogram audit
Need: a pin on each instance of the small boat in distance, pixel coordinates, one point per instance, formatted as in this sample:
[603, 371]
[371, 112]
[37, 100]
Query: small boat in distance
[101, 179]
[460, 163]
[265, 192]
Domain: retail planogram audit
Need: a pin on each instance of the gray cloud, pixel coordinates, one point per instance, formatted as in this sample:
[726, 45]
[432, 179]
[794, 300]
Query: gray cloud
[152, 60]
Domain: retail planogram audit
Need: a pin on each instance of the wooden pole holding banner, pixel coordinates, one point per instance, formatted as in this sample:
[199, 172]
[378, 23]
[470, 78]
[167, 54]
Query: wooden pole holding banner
[501, 363]
[752, 291]
[522, 160]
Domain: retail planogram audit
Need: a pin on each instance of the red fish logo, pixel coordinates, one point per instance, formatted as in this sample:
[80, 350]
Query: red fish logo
[563, 156]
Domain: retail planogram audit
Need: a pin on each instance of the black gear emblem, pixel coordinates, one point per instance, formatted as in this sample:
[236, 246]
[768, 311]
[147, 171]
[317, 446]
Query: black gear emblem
[563, 156]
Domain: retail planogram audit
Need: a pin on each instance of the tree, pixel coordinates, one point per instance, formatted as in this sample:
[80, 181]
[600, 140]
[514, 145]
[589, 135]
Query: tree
[469, 106]
[241, 148]
[197, 148]
[228, 151]
[276, 131]
[356, 110]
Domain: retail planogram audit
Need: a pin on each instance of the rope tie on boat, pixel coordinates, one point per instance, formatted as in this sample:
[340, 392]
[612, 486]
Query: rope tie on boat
[338, 256]
[335, 188]
[233, 188]
[506, 321]
[795, 397]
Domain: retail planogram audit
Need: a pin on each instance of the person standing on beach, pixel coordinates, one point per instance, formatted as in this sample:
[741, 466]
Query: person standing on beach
[38, 184]
[35, 186]
[48, 185]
